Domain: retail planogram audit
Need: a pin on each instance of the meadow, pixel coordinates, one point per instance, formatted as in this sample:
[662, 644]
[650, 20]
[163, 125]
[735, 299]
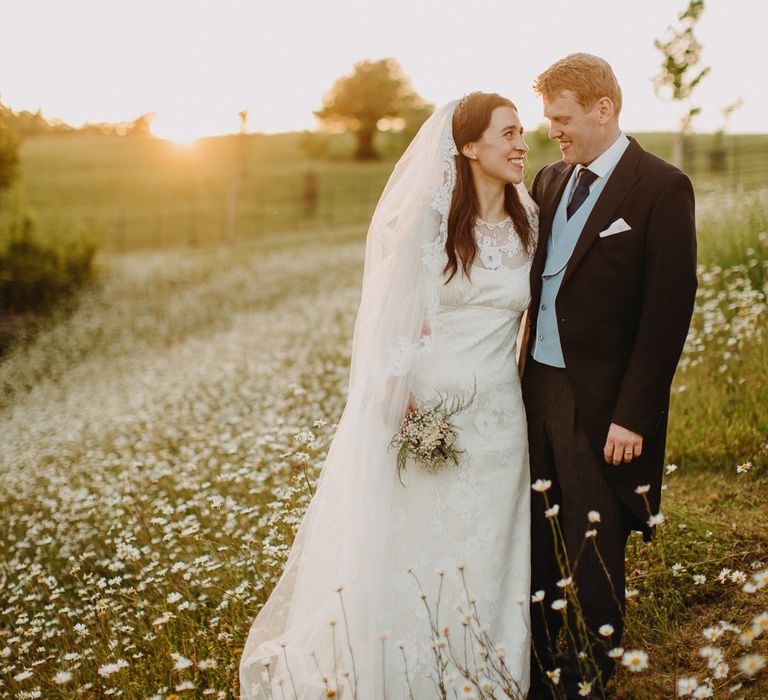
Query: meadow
[157, 442]
[136, 193]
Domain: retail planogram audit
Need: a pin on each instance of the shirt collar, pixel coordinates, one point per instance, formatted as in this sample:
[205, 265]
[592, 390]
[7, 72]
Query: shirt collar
[603, 164]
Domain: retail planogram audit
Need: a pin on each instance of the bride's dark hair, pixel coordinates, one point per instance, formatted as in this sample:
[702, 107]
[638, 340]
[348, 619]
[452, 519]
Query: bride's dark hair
[470, 119]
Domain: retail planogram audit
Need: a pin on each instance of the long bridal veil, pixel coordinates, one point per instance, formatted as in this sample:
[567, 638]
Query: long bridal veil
[322, 626]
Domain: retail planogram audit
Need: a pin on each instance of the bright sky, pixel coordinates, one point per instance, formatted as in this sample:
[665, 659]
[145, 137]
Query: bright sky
[197, 63]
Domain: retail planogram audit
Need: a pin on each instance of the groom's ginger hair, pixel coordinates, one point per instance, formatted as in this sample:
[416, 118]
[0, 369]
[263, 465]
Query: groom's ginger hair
[588, 77]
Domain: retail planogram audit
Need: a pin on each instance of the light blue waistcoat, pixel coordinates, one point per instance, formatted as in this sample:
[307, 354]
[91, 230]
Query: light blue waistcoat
[562, 240]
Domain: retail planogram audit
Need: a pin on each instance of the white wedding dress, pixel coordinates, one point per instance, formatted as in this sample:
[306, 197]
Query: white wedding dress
[475, 515]
[347, 617]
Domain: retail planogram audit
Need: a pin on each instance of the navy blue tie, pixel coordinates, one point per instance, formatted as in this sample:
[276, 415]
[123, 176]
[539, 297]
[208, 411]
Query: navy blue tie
[581, 191]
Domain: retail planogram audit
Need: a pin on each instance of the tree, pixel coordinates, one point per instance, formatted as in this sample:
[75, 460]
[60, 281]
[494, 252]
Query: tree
[141, 125]
[9, 149]
[680, 70]
[375, 90]
[717, 153]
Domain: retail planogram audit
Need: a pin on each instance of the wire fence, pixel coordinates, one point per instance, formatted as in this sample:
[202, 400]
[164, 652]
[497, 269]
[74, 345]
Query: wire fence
[738, 164]
[303, 201]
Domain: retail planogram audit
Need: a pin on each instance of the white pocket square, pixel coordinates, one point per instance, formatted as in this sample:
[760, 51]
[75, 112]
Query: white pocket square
[618, 226]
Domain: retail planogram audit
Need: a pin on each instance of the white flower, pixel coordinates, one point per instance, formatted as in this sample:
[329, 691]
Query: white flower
[751, 664]
[541, 485]
[590, 533]
[657, 519]
[22, 676]
[584, 688]
[699, 579]
[671, 468]
[760, 623]
[714, 655]
[703, 691]
[630, 592]
[109, 669]
[62, 677]
[760, 579]
[180, 662]
[635, 660]
[712, 634]
[721, 671]
[564, 582]
[686, 686]
[559, 604]
[537, 597]
[174, 597]
[554, 676]
[645, 488]
[738, 577]
[186, 685]
[606, 630]
[553, 511]
[743, 468]
[747, 637]
[166, 617]
[593, 516]
[616, 652]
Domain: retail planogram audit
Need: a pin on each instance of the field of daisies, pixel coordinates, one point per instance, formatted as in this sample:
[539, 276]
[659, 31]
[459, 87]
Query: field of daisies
[158, 445]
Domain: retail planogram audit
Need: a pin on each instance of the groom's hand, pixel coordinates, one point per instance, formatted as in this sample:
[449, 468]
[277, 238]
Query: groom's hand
[622, 445]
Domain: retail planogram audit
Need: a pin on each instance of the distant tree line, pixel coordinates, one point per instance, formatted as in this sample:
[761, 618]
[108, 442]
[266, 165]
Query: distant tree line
[24, 124]
[9, 150]
[37, 272]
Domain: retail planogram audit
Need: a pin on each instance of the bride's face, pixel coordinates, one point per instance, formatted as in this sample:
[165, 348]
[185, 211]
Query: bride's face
[499, 153]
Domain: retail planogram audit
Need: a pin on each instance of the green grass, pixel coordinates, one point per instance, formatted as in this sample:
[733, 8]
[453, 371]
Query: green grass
[140, 192]
[718, 398]
[146, 193]
[714, 529]
[148, 477]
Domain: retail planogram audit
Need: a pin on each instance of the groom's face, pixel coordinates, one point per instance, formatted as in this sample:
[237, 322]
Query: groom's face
[577, 129]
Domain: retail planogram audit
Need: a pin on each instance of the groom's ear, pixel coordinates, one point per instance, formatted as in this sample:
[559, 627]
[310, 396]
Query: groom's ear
[605, 110]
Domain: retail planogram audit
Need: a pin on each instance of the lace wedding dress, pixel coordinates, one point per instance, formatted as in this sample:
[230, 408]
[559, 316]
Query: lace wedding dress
[361, 601]
[470, 522]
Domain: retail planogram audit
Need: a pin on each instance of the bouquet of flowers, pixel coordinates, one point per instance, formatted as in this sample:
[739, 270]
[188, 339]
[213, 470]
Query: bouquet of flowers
[428, 436]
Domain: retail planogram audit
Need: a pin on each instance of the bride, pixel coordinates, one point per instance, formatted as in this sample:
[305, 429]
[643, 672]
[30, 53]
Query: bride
[421, 588]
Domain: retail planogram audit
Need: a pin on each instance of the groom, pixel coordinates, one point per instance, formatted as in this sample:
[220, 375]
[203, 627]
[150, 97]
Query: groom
[612, 285]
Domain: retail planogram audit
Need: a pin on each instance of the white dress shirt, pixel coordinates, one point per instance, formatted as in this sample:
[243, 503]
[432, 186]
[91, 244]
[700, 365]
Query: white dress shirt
[603, 164]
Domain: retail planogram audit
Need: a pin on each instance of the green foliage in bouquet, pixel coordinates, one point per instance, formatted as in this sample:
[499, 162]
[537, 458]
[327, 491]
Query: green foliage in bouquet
[428, 436]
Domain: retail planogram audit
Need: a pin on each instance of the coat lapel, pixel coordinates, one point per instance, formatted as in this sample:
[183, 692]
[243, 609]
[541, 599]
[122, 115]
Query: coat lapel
[620, 182]
[549, 203]
[552, 198]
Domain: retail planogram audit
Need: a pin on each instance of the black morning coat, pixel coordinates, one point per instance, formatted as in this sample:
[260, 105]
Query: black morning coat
[624, 307]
